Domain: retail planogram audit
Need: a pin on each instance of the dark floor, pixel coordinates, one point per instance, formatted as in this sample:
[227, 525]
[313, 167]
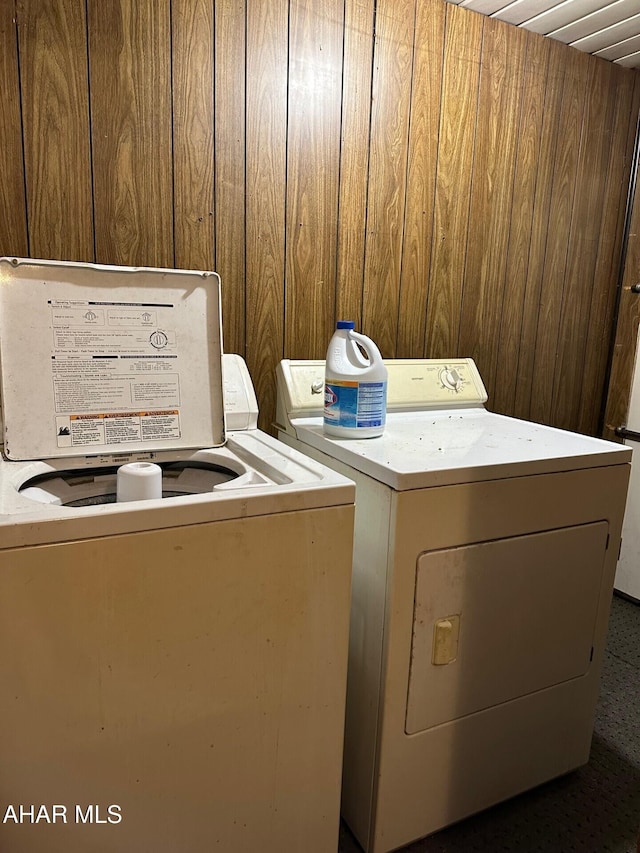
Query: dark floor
[595, 809]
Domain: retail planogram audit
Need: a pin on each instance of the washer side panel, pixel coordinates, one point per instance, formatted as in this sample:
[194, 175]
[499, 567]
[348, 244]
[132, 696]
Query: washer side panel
[194, 676]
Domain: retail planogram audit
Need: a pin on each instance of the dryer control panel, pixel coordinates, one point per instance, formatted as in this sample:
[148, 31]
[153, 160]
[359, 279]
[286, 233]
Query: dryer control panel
[415, 384]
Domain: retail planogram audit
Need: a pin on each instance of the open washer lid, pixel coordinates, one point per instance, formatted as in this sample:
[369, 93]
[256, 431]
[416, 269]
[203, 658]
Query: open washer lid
[98, 359]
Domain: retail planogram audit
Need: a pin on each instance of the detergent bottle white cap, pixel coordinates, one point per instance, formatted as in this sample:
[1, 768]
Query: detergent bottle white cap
[355, 391]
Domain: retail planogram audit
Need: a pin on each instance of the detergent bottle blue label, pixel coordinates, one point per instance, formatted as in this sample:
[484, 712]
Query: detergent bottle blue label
[354, 405]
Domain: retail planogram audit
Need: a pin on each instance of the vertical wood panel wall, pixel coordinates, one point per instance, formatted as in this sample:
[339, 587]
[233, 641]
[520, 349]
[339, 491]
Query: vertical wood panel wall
[455, 185]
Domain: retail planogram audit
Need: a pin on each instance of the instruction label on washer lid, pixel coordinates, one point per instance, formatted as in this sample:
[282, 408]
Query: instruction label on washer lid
[111, 355]
[111, 366]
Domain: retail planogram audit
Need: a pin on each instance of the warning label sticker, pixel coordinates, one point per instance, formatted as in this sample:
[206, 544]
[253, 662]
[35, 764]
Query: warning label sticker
[117, 427]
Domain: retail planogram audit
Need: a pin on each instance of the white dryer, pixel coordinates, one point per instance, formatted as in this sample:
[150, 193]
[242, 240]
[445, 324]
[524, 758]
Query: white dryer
[484, 557]
[173, 670]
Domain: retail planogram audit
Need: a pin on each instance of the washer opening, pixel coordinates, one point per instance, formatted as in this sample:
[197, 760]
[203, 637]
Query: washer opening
[94, 486]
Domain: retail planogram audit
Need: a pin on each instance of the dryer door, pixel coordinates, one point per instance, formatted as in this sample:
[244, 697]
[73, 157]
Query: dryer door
[497, 620]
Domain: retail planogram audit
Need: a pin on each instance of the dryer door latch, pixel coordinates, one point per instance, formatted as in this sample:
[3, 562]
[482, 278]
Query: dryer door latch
[445, 640]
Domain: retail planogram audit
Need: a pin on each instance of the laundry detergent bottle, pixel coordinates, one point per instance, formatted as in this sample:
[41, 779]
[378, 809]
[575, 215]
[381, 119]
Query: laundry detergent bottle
[355, 390]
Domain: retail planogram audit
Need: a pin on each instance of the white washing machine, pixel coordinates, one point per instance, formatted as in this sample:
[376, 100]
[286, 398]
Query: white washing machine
[484, 557]
[173, 670]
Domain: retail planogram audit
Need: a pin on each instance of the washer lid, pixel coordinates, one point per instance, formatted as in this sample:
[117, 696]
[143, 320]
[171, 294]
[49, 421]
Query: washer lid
[102, 359]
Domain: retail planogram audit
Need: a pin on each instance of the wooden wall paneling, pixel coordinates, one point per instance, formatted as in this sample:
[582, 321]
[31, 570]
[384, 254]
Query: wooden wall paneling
[192, 92]
[607, 267]
[313, 160]
[55, 115]
[626, 337]
[583, 244]
[540, 227]
[627, 334]
[230, 129]
[421, 173]
[129, 59]
[13, 213]
[458, 111]
[267, 46]
[392, 70]
[319, 157]
[490, 214]
[354, 158]
[529, 133]
[561, 213]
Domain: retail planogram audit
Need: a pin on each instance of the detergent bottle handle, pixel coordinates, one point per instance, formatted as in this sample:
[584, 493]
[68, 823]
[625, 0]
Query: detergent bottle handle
[368, 346]
[355, 353]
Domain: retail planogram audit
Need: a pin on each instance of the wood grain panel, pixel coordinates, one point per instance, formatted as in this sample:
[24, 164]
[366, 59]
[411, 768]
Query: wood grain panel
[267, 44]
[313, 157]
[528, 149]
[561, 213]
[458, 111]
[421, 174]
[625, 92]
[586, 218]
[539, 229]
[491, 195]
[392, 70]
[13, 213]
[53, 74]
[354, 158]
[192, 93]
[230, 129]
[129, 58]
[626, 338]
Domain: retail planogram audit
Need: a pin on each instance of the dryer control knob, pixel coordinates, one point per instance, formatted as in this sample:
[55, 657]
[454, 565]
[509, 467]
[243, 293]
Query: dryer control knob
[451, 379]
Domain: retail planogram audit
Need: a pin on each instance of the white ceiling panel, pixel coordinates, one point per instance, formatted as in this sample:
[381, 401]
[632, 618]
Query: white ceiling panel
[526, 10]
[608, 28]
[485, 7]
[599, 21]
[631, 61]
[621, 49]
[614, 34]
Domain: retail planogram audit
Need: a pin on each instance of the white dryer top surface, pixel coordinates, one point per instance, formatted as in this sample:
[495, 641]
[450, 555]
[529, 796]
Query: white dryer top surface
[425, 449]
